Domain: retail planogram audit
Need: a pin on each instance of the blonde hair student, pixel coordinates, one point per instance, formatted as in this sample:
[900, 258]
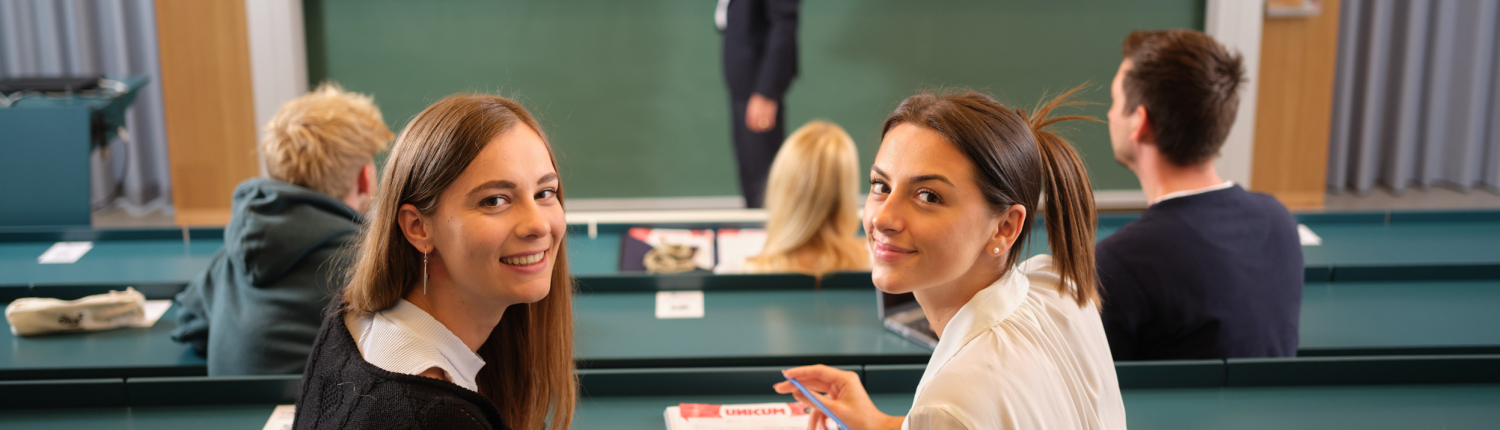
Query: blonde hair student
[954, 189]
[812, 205]
[323, 139]
[263, 294]
[458, 311]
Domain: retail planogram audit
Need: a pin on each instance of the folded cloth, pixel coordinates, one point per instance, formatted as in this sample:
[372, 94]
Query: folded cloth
[33, 316]
[670, 258]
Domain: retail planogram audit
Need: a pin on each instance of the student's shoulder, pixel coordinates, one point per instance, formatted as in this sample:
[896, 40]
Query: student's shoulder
[1139, 235]
[1014, 370]
[441, 409]
[342, 390]
[1269, 204]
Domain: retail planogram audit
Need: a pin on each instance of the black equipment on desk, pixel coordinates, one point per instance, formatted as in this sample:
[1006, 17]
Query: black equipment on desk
[49, 84]
[902, 314]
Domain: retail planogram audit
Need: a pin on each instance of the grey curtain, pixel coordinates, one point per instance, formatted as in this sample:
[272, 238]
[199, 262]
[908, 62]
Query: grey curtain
[1416, 96]
[110, 37]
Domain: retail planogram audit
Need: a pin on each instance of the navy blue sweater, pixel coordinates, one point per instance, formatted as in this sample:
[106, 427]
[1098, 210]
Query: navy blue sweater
[1211, 275]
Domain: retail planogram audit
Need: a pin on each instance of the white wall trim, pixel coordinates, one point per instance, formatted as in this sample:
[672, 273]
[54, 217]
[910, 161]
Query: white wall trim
[1118, 200]
[715, 209]
[656, 203]
[1237, 24]
[278, 56]
[667, 216]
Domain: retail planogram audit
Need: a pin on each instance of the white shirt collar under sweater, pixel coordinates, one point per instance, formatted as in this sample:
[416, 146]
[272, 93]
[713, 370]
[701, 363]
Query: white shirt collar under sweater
[405, 339]
[1185, 193]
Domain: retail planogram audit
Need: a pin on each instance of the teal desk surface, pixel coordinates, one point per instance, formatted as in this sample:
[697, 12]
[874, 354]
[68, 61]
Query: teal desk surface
[1364, 407]
[739, 328]
[1361, 246]
[125, 352]
[1428, 317]
[1406, 250]
[1397, 246]
[118, 262]
[831, 326]
[836, 326]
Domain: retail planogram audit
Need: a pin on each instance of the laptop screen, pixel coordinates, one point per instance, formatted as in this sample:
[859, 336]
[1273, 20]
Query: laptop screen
[892, 303]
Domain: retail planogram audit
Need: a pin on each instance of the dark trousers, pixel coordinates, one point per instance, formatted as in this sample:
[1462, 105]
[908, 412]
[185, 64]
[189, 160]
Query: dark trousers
[755, 151]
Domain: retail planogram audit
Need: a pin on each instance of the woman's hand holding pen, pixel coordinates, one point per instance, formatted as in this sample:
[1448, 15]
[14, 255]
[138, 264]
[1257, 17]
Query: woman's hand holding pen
[843, 395]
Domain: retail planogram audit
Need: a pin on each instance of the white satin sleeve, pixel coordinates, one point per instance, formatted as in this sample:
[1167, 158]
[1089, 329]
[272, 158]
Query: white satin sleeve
[935, 418]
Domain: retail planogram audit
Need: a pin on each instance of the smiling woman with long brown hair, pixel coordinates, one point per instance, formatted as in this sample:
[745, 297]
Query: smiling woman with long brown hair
[954, 189]
[458, 311]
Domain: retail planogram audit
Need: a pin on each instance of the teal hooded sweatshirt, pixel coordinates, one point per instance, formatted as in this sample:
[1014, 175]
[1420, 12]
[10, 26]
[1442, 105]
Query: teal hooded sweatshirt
[258, 307]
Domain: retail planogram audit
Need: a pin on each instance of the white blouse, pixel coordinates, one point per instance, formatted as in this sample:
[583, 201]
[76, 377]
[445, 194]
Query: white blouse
[1020, 355]
[405, 339]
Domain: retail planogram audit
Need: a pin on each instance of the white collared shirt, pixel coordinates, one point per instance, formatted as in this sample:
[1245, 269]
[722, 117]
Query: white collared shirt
[405, 339]
[1020, 355]
[1185, 193]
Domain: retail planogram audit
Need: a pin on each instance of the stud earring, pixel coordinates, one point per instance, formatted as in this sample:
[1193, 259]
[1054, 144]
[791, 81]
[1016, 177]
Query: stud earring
[424, 273]
[997, 250]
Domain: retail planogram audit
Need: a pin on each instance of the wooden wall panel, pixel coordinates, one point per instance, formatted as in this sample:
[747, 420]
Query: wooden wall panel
[209, 106]
[1297, 60]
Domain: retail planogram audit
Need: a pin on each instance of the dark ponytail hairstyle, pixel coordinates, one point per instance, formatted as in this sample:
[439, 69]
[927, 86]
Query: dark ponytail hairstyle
[1016, 160]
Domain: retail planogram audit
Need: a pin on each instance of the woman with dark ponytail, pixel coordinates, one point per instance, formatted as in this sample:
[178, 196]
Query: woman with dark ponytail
[953, 192]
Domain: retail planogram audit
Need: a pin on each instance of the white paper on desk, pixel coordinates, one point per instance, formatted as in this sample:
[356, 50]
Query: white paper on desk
[154, 310]
[281, 418]
[735, 245]
[679, 304]
[1307, 236]
[65, 252]
[757, 416]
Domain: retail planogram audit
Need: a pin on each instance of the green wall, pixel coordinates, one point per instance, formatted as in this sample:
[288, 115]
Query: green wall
[632, 95]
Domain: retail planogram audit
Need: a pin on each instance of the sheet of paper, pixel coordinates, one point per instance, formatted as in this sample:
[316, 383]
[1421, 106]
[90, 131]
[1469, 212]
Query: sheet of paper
[281, 418]
[154, 311]
[735, 245]
[679, 304]
[1307, 236]
[65, 252]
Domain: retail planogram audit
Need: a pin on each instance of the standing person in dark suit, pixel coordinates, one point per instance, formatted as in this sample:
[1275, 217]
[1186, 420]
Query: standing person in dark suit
[1210, 270]
[760, 60]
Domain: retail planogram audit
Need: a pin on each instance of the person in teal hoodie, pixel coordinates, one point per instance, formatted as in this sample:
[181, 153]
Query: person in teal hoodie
[258, 306]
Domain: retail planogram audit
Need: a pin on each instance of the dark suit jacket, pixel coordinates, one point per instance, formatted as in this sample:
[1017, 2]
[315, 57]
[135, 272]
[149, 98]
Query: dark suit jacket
[1212, 275]
[760, 47]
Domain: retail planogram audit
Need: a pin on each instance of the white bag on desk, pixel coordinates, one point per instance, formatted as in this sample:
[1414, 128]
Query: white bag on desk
[33, 316]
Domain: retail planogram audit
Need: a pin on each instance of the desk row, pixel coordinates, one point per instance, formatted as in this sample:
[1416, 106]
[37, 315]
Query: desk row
[1429, 400]
[1354, 247]
[836, 326]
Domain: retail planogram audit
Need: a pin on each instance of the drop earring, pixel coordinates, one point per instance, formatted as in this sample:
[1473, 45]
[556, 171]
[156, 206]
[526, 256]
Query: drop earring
[424, 273]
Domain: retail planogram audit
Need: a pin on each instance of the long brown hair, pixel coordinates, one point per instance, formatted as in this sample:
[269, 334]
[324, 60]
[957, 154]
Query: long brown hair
[528, 372]
[1016, 160]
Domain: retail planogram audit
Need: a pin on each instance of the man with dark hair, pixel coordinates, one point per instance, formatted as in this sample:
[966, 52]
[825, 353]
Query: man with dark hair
[1210, 270]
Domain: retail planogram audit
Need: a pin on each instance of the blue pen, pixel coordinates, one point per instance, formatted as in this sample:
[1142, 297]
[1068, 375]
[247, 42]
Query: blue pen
[817, 403]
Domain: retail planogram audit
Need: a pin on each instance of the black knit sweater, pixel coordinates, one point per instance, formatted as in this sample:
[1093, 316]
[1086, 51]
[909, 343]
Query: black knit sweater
[340, 390]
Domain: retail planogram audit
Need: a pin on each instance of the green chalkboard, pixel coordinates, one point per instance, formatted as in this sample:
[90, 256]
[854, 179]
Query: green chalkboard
[632, 95]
